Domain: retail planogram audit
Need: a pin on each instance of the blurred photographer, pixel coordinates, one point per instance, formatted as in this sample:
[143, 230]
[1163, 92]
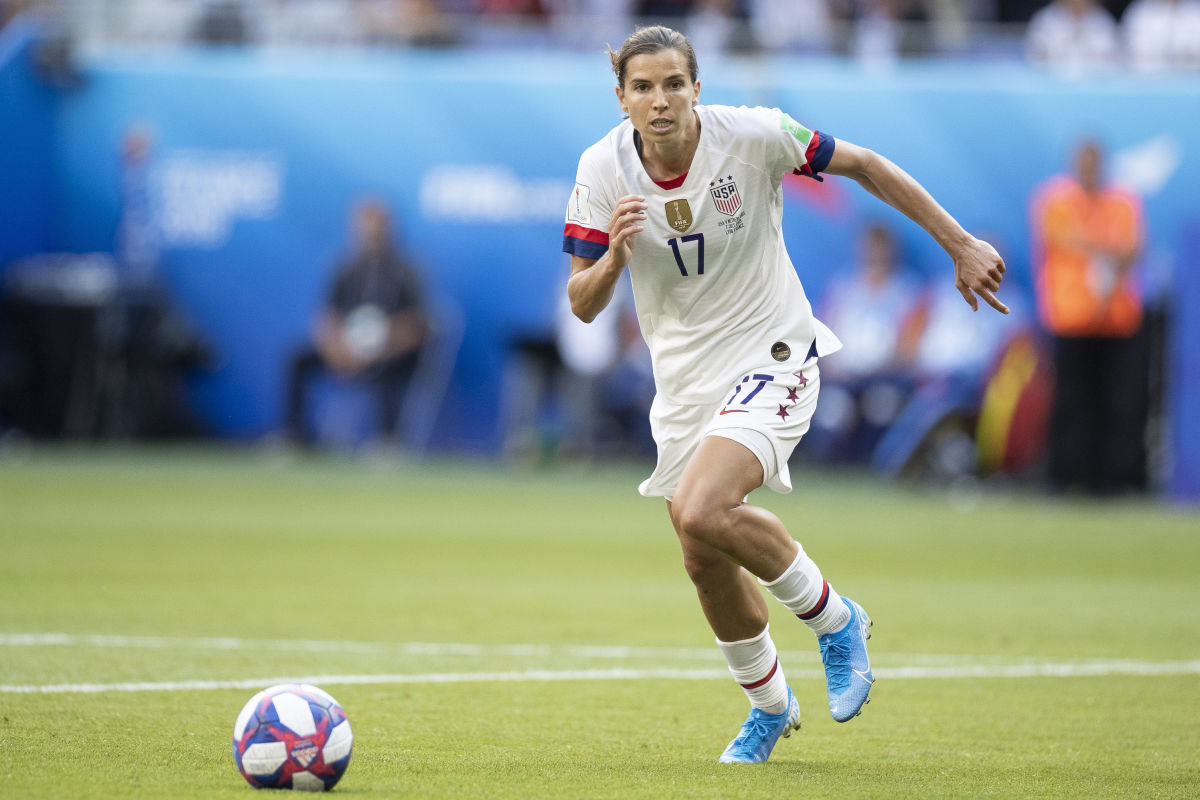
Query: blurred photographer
[371, 328]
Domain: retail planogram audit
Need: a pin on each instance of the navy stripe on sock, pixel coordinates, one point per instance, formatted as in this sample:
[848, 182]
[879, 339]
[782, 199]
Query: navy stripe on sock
[820, 606]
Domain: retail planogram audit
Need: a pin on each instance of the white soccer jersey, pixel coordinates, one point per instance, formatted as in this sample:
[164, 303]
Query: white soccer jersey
[715, 291]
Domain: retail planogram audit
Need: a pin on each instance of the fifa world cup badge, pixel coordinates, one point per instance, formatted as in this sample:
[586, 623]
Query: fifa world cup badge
[679, 214]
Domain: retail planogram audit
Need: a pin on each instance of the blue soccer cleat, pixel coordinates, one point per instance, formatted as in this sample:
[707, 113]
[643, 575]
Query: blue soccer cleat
[847, 668]
[760, 732]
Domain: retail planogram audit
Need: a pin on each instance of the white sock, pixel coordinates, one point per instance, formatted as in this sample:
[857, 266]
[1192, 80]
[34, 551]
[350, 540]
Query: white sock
[809, 596]
[755, 666]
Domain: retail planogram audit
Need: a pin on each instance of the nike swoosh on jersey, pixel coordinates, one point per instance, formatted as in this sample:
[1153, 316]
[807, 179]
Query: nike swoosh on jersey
[735, 411]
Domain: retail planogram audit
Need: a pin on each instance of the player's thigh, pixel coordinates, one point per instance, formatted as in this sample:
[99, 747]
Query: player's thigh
[718, 476]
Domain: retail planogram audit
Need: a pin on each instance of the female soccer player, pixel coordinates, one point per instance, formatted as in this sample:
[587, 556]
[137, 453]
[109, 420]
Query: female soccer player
[688, 198]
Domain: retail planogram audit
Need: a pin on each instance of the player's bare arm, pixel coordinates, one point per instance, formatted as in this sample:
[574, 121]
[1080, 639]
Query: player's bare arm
[593, 281]
[978, 268]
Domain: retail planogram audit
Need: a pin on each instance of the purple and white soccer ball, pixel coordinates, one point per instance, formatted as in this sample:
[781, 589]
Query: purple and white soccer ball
[292, 736]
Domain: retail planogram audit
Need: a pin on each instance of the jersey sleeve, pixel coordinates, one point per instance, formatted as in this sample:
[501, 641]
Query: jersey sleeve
[802, 151]
[589, 208]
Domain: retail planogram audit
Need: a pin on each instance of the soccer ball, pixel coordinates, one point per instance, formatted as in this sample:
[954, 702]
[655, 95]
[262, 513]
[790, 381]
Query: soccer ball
[293, 736]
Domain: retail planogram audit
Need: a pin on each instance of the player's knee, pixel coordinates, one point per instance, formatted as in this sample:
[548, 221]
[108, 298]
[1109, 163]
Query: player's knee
[702, 521]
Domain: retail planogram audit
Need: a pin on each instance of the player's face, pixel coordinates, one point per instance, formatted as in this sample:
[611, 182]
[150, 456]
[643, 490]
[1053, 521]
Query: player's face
[658, 96]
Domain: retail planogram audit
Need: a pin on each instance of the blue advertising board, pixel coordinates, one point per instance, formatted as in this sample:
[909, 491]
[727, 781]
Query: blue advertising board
[26, 128]
[259, 156]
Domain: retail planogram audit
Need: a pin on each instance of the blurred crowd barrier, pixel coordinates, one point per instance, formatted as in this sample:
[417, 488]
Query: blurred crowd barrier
[863, 27]
[1068, 35]
[254, 157]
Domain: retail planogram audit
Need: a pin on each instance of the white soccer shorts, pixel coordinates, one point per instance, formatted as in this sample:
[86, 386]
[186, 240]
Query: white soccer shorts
[766, 411]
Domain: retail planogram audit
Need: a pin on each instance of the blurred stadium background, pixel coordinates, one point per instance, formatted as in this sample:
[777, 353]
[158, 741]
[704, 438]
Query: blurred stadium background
[177, 179]
[263, 122]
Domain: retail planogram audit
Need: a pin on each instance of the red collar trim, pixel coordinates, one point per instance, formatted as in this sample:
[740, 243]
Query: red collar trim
[674, 183]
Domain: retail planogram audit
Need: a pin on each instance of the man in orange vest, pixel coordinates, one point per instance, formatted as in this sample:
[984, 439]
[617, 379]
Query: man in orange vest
[1086, 239]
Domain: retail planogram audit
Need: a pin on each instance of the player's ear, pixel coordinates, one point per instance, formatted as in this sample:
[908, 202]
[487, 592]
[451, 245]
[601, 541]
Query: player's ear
[621, 98]
[696, 95]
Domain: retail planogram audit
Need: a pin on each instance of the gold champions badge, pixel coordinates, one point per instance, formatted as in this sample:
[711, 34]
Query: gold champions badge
[679, 215]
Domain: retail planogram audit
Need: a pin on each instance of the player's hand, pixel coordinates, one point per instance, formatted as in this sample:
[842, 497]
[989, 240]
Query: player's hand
[626, 223]
[978, 270]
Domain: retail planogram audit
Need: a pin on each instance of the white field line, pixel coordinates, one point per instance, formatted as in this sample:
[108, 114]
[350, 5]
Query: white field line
[911, 666]
[1063, 670]
[437, 649]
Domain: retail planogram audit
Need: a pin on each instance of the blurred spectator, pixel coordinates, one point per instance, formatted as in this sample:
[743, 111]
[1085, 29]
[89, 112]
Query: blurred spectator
[875, 311]
[99, 346]
[525, 8]
[781, 25]
[580, 24]
[713, 27]
[666, 12]
[1163, 35]
[953, 340]
[870, 307]
[927, 26]
[607, 383]
[147, 342]
[1072, 36]
[508, 23]
[662, 8]
[138, 240]
[152, 21]
[371, 328]
[880, 31]
[583, 393]
[876, 30]
[1086, 239]
[412, 22]
[875, 40]
[302, 22]
[222, 22]
[955, 348]
[1014, 11]
[9, 9]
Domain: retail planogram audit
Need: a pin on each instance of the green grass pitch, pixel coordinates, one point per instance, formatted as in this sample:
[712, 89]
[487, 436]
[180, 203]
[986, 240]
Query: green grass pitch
[506, 634]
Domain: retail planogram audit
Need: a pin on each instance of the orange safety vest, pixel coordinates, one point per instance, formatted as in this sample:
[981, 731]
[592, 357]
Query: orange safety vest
[1070, 281]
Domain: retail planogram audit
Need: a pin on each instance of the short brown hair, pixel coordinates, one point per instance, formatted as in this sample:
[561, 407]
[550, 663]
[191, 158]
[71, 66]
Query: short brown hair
[644, 41]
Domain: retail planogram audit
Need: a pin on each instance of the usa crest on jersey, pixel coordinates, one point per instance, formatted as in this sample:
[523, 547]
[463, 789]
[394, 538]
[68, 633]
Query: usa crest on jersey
[725, 195]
